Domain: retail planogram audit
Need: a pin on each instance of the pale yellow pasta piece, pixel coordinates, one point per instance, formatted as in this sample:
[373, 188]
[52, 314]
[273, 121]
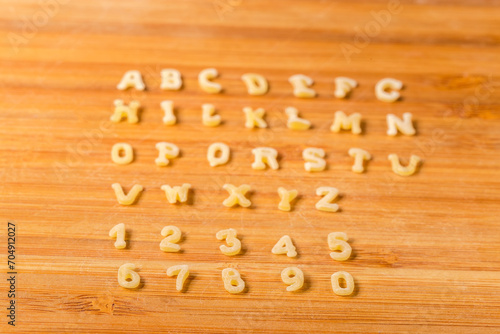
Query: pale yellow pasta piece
[166, 151]
[294, 122]
[294, 277]
[237, 195]
[182, 272]
[329, 194]
[314, 159]
[171, 79]
[256, 83]
[168, 109]
[301, 85]
[343, 86]
[401, 170]
[223, 157]
[176, 193]
[132, 195]
[230, 235]
[286, 196]
[263, 156]
[131, 79]
[285, 246]
[118, 232]
[127, 277]
[405, 125]
[349, 282]
[123, 111]
[119, 158]
[351, 122]
[359, 156]
[232, 280]
[204, 80]
[172, 236]
[208, 116]
[382, 89]
[254, 118]
[337, 241]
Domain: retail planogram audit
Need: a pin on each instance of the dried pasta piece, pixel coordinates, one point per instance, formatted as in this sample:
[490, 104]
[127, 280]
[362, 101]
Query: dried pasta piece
[329, 194]
[182, 272]
[401, 170]
[256, 83]
[131, 79]
[172, 236]
[314, 159]
[223, 157]
[132, 195]
[176, 193]
[405, 125]
[351, 122]
[171, 79]
[232, 280]
[382, 87]
[123, 111]
[294, 122]
[343, 86]
[301, 85]
[118, 232]
[119, 158]
[254, 118]
[359, 156]
[208, 116]
[285, 246]
[230, 235]
[337, 241]
[166, 151]
[237, 195]
[294, 277]
[263, 156]
[168, 109]
[204, 80]
[286, 196]
[349, 283]
[127, 277]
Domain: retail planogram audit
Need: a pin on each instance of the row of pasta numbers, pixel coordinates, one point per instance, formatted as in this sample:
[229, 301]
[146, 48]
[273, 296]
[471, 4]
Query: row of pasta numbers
[293, 277]
[337, 242]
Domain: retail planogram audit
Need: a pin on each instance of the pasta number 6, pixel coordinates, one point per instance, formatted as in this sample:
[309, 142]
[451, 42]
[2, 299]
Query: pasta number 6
[127, 277]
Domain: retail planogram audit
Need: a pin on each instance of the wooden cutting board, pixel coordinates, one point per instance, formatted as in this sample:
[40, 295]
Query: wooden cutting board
[426, 252]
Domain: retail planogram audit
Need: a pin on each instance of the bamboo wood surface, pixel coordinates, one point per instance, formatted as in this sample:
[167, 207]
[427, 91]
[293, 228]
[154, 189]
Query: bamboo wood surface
[426, 252]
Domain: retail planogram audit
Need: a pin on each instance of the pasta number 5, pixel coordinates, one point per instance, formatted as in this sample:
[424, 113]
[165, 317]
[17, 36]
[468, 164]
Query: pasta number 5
[337, 241]
[172, 236]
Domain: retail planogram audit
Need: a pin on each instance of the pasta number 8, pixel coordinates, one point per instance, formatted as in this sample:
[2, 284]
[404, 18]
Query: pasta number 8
[232, 280]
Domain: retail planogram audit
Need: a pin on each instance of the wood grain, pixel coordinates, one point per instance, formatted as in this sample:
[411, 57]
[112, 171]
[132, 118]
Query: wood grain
[426, 255]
